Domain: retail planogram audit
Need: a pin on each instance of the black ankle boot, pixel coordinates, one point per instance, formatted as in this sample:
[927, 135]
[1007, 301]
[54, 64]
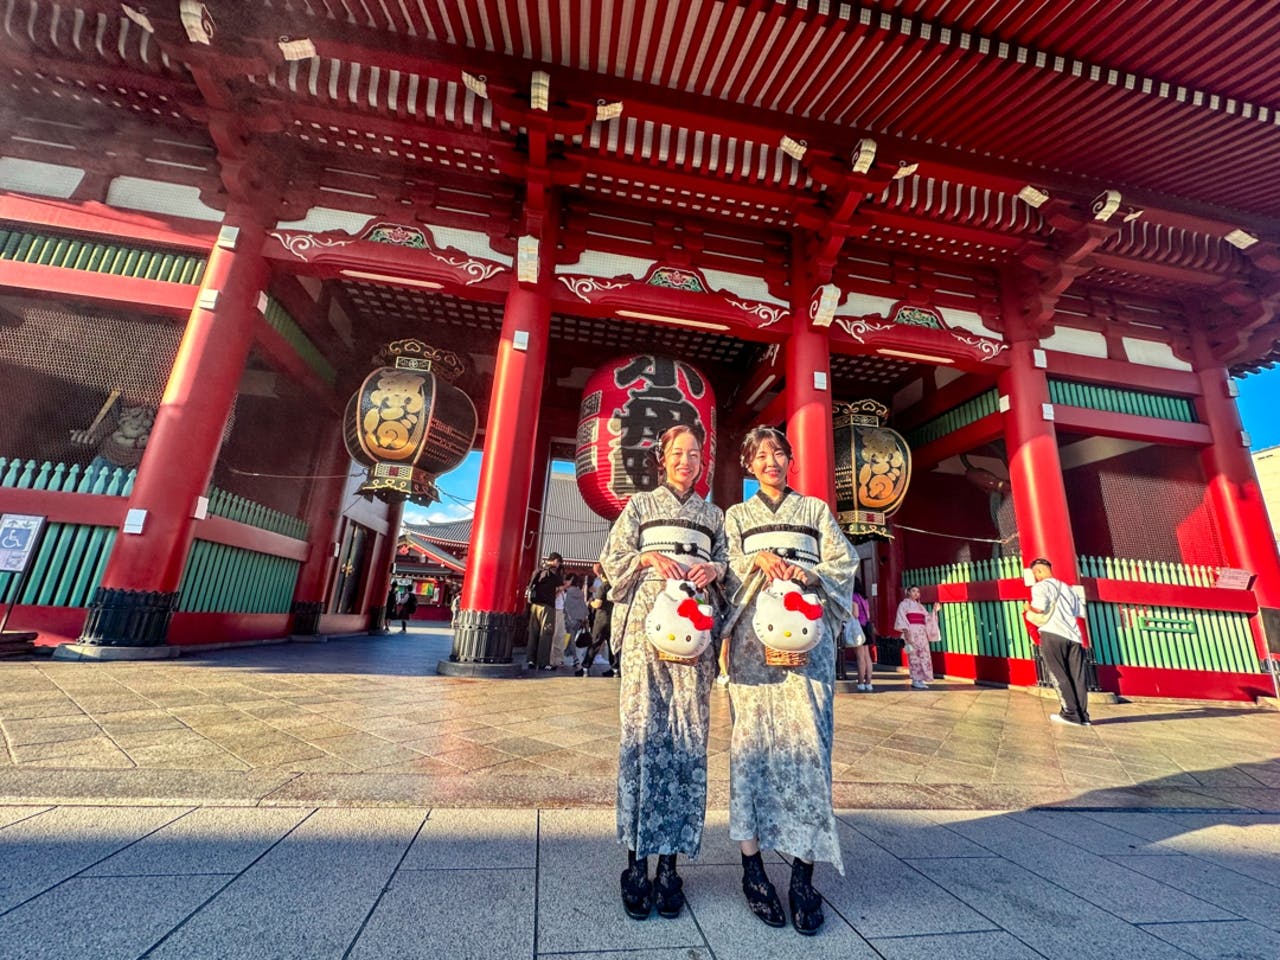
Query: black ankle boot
[637, 891]
[806, 904]
[761, 896]
[668, 888]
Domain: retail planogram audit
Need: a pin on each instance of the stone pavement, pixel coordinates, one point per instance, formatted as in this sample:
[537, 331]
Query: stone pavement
[339, 800]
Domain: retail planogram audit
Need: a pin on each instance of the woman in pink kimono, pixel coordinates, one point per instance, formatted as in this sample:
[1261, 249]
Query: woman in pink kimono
[919, 627]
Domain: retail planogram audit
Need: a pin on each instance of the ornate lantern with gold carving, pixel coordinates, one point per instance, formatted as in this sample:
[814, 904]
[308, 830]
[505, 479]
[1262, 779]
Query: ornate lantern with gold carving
[873, 467]
[408, 423]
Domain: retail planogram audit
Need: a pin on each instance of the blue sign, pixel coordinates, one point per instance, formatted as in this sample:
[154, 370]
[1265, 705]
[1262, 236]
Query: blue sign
[18, 535]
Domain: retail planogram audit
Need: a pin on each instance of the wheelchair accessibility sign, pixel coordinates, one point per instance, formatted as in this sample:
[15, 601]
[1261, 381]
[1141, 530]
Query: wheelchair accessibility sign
[19, 534]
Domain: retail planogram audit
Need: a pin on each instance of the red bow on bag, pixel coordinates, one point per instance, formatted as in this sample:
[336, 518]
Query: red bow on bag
[689, 610]
[794, 601]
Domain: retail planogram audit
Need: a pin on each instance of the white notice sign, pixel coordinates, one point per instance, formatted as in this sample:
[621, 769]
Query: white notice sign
[18, 535]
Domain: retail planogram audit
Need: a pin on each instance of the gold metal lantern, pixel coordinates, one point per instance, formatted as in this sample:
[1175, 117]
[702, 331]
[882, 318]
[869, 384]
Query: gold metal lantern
[408, 423]
[873, 468]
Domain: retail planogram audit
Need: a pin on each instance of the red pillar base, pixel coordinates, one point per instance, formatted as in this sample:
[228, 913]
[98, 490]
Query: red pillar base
[482, 645]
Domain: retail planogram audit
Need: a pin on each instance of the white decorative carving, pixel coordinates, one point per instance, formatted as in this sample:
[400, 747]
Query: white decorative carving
[476, 270]
[584, 287]
[856, 327]
[989, 348]
[302, 245]
[769, 315]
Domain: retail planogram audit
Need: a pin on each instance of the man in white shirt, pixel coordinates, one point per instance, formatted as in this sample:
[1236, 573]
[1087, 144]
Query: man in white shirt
[1061, 642]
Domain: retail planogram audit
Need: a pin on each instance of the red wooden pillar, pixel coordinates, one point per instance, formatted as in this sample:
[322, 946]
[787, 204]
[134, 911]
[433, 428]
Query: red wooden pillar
[1035, 469]
[1232, 483]
[808, 393]
[492, 604]
[324, 506]
[139, 586]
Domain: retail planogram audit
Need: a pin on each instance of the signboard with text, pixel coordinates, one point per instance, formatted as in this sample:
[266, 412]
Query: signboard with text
[19, 534]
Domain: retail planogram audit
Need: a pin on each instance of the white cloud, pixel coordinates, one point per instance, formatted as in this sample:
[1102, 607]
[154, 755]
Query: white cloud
[437, 512]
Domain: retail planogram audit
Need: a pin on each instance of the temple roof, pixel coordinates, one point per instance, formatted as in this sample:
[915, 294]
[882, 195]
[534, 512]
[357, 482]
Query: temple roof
[1006, 126]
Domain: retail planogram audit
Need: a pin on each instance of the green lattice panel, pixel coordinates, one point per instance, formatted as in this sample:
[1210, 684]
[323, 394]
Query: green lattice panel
[1141, 403]
[968, 412]
[1172, 637]
[118, 260]
[984, 628]
[224, 579]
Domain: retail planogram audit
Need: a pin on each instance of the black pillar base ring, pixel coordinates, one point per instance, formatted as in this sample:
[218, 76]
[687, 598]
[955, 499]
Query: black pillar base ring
[482, 645]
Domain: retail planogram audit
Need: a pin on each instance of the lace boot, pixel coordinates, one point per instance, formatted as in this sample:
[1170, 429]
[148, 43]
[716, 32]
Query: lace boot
[760, 894]
[637, 891]
[668, 887]
[806, 904]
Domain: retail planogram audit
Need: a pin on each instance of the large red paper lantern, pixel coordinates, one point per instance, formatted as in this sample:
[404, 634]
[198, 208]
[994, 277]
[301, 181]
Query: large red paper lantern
[626, 406]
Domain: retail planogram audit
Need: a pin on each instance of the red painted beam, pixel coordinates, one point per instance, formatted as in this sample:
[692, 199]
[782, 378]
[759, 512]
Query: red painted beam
[1184, 684]
[188, 629]
[1118, 373]
[280, 354]
[65, 216]
[91, 509]
[943, 399]
[140, 296]
[235, 534]
[1170, 595]
[1126, 426]
[967, 438]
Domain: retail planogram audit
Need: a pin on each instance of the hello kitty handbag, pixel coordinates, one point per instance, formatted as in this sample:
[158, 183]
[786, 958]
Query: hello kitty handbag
[679, 623]
[788, 622]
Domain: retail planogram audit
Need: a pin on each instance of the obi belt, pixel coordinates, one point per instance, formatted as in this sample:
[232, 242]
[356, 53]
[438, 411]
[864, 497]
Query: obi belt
[917, 619]
[793, 543]
[681, 540]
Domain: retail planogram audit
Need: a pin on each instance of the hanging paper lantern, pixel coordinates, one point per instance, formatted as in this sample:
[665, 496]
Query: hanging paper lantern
[408, 424]
[873, 467]
[626, 406]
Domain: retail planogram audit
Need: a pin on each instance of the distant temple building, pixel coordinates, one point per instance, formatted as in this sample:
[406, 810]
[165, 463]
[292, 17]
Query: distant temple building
[1042, 248]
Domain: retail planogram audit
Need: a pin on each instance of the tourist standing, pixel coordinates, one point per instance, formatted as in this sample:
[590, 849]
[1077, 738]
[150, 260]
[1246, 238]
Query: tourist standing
[542, 592]
[919, 627]
[575, 619]
[669, 533]
[863, 636]
[1056, 609]
[780, 752]
[407, 610]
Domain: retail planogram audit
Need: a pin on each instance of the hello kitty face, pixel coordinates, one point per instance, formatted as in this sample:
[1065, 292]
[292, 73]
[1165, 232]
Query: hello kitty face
[678, 624]
[786, 619]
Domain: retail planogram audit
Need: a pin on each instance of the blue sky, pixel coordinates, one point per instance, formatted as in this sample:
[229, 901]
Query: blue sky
[1259, 402]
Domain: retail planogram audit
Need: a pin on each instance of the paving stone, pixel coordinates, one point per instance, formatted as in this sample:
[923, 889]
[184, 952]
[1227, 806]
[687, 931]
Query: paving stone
[1044, 916]
[37, 853]
[732, 932]
[15, 814]
[1089, 834]
[1234, 893]
[475, 839]
[1103, 882]
[458, 923]
[208, 840]
[911, 834]
[101, 918]
[579, 909]
[882, 896]
[1235, 940]
[979, 945]
[330, 871]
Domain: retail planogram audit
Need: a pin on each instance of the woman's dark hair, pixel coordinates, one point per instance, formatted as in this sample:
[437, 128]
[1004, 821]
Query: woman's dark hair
[755, 437]
[571, 579]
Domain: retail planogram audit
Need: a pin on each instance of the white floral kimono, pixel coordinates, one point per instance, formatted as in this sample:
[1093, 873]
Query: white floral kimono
[780, 756]
[665, 707]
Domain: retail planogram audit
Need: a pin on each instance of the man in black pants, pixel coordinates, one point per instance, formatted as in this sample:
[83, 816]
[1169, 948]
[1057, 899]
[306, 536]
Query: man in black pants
[542, 611]
[1061, 642]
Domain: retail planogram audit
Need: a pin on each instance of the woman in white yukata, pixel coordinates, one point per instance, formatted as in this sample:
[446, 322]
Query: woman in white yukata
[919, 627]
[780, 754]
[665, 707]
